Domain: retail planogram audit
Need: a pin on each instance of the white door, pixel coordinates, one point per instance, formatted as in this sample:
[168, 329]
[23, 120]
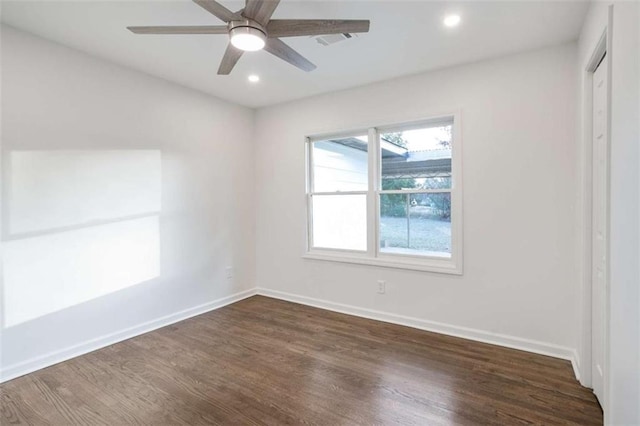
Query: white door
[600, 256]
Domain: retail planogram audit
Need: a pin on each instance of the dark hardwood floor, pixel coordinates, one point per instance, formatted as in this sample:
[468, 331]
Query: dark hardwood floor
[265, 361]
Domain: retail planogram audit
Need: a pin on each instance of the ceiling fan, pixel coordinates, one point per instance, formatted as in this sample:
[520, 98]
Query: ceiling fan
[252, 29]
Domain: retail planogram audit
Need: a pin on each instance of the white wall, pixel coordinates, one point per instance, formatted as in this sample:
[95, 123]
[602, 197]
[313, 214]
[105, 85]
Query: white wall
[624, 352]
[624, 333]
[520, 183]
[146, 198]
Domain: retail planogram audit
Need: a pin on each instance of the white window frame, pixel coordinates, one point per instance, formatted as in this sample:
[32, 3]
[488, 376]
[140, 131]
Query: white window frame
[373, 255]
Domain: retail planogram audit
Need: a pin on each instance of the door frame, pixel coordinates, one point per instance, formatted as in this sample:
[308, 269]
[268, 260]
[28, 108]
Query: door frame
[602, 47]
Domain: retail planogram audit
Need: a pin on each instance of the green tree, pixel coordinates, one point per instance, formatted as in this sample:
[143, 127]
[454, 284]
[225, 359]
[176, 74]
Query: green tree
[395, 138]
[440, 201]
[395, 205]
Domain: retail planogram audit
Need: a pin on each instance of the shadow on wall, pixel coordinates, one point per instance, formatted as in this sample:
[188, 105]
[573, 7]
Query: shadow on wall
[78, 225]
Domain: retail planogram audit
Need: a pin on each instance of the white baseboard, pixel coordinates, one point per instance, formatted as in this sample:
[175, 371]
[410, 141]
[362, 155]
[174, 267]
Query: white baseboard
[31, 365]
[437, 327]
[575, 363]
[34, 364]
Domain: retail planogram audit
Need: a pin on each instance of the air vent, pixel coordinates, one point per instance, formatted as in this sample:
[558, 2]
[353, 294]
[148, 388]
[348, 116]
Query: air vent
[329, 39]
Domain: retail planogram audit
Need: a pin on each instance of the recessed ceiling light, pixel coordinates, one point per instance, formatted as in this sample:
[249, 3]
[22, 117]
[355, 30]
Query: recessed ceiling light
[451, 21]
[253, 78]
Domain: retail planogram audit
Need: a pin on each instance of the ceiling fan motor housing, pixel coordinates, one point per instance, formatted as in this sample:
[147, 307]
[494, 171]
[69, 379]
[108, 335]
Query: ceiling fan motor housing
[246, 23]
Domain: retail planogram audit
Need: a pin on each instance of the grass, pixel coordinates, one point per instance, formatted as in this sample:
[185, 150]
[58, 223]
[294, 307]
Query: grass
[425, 234]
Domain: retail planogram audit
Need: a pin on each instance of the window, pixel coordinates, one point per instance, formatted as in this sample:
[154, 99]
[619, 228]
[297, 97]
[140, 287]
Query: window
[387, 196]
[339, 198]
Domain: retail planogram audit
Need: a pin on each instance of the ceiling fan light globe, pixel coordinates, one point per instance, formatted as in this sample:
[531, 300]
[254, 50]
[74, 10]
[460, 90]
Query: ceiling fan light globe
[247, 38]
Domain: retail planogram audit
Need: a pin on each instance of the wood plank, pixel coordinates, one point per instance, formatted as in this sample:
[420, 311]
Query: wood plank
[308, 27]
[266, 361]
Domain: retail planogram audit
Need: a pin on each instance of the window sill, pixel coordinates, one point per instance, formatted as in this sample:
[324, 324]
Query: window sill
[427, 265]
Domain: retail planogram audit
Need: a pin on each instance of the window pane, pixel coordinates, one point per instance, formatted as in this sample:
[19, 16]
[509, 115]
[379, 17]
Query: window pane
[417, 158]
[340, 221]
[340, 164]
[417, 224]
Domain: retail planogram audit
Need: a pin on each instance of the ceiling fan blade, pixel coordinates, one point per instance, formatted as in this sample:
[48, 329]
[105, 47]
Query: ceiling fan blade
[278, 48]
[306, 27]
[260, 10]
[229, 60]
[193, 29]
[218, 10]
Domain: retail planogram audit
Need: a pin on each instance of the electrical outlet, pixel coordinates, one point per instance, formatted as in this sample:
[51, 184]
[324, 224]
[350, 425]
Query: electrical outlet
[382, 286]
[229, 271]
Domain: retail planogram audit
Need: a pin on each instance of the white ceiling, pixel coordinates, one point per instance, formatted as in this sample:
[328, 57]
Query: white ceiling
[406, 37]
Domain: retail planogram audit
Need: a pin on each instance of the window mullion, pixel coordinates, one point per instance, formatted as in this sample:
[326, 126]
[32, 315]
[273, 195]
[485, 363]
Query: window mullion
[309, 170]
[372, 220]
[310, 185]
[309, 222]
